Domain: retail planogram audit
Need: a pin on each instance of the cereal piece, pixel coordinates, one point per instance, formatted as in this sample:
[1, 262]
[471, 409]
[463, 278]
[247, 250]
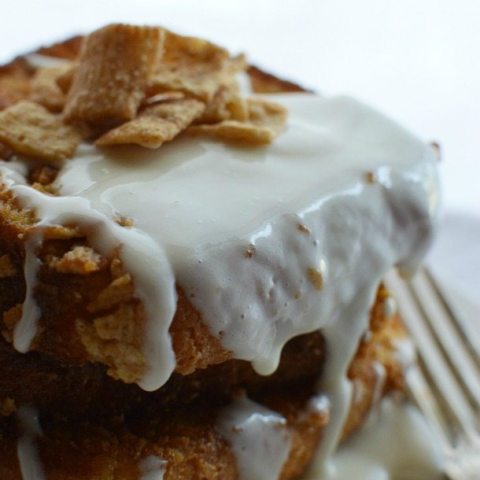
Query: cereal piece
[65, 79]
[13, 88]
[193, 66]
[119, 325]
[315, 277]
[115, 65]
[227, 104]
[265, 122]
[45, 89]
[126, 222]
[7, 268]
[155, 125]
[117, 338]
[120, 290]
[301, 227]
[80, 260]
[263, 82]
[61, 232]
[47, 189]
[30, 129]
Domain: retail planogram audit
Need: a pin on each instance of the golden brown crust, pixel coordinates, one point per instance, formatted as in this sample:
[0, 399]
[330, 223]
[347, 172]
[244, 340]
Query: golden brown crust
[30, 129]
[45, 89]
[178, 423]
[264, 82]
[87, 301]
[377, 350]
[193, 450]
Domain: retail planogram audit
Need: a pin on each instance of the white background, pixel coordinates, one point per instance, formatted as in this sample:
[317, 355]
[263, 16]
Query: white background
[417, 60]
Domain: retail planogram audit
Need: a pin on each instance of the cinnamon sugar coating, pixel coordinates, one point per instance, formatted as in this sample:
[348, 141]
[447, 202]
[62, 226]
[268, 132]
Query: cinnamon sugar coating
[113, 70]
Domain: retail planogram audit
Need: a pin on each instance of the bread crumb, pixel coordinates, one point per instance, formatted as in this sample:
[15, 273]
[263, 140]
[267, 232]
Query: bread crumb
[80, 260]
[315, 277]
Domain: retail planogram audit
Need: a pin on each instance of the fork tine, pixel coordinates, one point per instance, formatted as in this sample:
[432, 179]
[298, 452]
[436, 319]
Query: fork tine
[453, 402]
[473, 347]
[423, 396]
[444, 327]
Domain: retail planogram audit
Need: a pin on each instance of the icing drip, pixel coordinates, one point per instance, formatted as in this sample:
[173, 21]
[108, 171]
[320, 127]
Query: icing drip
[152, 468]
[342, 338]
[294, 223]
[26, 328]
[259, 439]
[307, 227]
[140, 254]
[27, 452]
[394, 444]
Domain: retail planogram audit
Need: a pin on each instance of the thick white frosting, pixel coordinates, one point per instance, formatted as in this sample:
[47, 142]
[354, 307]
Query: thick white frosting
[152, 468]
[27, 452]
[259, 439]
[198, 205]
[203, 203]
[267, 243]
[395, 443]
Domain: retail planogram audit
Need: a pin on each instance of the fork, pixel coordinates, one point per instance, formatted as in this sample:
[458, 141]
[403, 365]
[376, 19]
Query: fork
[445, 382]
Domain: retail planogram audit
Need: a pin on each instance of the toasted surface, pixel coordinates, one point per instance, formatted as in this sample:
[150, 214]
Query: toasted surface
[177, 423]
[189, 444]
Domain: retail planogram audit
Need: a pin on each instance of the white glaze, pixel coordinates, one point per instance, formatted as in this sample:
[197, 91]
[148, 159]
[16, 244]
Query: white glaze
[27, 452]
[380, 377]
[405, 353]
[320, 404]
[342, 339]
[394, 444]
[259, 439]
[198, 204]
[390, 307]
[152, 468]
[140, 254]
